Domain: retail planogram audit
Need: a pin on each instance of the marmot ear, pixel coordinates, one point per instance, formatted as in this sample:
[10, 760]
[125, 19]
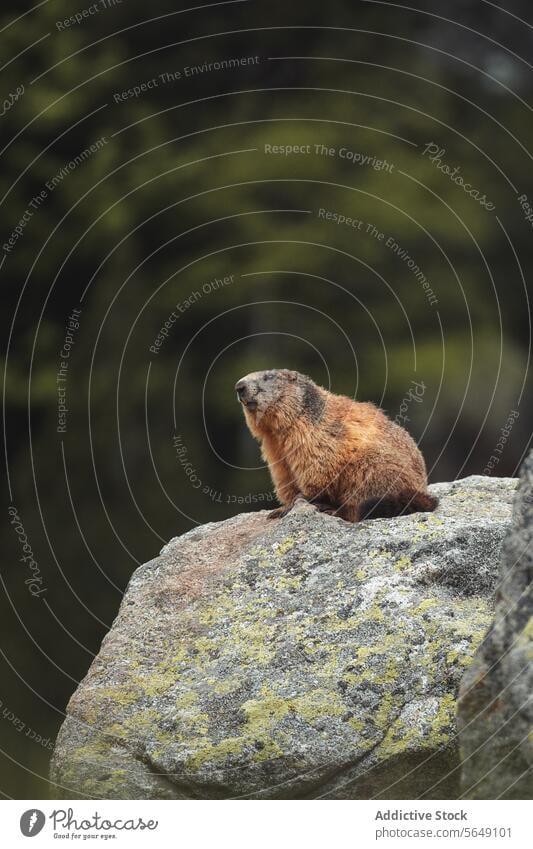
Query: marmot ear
[292, 376]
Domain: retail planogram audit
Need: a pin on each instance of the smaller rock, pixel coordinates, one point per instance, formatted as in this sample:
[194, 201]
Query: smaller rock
[495, 710]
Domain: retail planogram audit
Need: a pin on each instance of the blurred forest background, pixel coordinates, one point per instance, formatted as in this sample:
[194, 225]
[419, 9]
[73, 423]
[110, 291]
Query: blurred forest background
[179, 192]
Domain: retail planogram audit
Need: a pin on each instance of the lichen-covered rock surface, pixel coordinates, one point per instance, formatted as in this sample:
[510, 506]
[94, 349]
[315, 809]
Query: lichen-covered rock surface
[298, 658]
[496, 696]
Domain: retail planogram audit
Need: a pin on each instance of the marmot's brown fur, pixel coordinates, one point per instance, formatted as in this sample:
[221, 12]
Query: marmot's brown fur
[346, 457]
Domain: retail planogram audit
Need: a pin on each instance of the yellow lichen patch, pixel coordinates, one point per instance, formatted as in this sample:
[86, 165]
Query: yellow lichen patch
[160, 679]
[287, 582]
[136, 723]
[270, 750]
[388, 705]
[401, 737]
[473, 624]
[402, 564]
[215, 753]
[203, 645]
[379, 556]
[362, 653]
[404, 734]
[265, 713]
[123, 695]
[361, 668]
[157, 680]
[262, 714]
[318, 704]
[221, 607]
[528, 630]
[262, 717]
[356, 724]
[377, 559]
[223, 686]
[298, 628]
[427, 604]
[375, 613]
[332, 624]
[456, 656]
[253, 638]
[283, 547]
[391, 673]
[468, 494]
[443, 725]
[97, 749]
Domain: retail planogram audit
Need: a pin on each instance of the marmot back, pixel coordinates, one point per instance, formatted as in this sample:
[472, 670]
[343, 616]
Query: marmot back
[347, 458]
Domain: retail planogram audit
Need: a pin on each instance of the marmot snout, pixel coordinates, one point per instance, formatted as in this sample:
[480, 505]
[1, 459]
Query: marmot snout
[346, 457]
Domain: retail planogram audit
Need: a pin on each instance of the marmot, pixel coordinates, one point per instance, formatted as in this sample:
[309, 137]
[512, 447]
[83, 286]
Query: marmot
[345, 457]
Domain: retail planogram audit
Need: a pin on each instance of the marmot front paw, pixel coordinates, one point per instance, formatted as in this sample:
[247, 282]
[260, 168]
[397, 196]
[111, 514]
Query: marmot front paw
[280, 512]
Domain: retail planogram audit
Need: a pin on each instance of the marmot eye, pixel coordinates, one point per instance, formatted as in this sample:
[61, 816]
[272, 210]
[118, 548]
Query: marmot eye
[268, 376]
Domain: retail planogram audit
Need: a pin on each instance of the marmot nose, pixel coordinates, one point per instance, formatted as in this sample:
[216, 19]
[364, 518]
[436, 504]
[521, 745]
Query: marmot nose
[240, 387]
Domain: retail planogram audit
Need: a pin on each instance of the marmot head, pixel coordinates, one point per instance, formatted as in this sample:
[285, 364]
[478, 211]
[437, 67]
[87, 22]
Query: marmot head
[274, 399]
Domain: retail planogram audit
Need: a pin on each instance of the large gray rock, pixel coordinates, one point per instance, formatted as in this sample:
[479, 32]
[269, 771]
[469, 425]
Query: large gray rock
[495, 715]
[304, 657]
